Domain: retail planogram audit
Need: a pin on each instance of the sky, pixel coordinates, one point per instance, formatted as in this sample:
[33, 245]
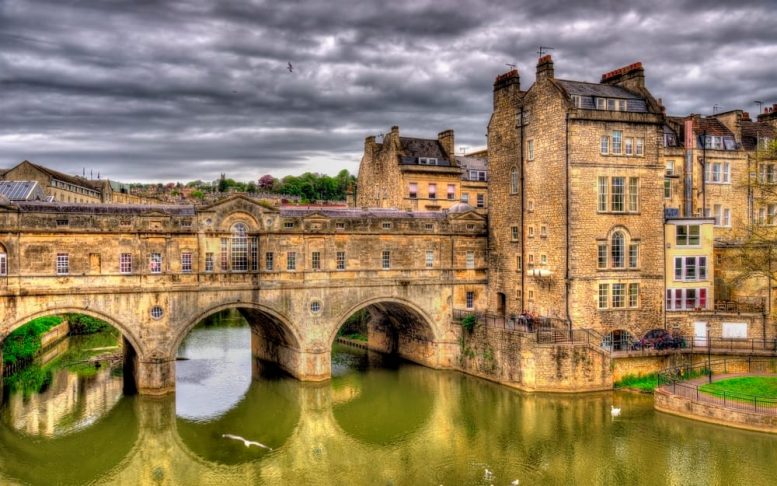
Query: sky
[178, 90]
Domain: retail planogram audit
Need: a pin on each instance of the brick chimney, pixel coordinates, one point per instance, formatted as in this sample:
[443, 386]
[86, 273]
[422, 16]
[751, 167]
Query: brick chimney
[506, 87]
[446, 140]
[545, 68]
[630, 77]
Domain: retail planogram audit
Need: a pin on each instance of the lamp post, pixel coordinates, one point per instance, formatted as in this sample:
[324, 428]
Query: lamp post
[709, 354]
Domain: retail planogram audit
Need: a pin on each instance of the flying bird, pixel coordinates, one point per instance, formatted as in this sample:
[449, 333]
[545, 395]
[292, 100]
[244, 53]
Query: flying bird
[290, 68]
[247, 443]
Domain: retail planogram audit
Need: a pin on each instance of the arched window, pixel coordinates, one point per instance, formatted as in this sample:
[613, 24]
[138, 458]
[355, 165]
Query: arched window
[239, 248]
[514, 181]
[618, 250]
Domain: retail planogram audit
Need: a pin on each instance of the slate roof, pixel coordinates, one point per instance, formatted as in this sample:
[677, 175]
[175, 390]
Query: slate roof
[22, 191]
[119, 209]
[751, 131]
[412, 148]
[589, 91]
[79, 181]
[362, 213]
[712, 126]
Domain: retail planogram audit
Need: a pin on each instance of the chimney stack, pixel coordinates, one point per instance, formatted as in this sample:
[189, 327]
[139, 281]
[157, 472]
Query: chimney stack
[630, 77]
[506, 87]
[545, 68]
[446, 140]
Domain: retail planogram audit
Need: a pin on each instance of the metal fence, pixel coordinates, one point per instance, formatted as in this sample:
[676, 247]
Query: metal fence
[674, 380]
[695, 344]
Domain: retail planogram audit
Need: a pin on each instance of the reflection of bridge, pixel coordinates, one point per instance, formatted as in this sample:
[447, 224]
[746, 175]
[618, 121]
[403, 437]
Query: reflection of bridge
[296, 274]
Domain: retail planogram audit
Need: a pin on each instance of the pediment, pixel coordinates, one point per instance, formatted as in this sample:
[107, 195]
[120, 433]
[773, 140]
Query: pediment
[468, 216]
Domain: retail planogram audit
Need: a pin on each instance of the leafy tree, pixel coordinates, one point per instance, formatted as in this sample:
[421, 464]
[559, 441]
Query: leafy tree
[266, 182]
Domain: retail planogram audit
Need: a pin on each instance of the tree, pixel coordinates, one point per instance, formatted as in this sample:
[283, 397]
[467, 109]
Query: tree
[266, 182]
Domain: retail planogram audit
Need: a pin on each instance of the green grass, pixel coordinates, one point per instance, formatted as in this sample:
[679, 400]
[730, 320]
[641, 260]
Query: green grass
[640, 382]
[356, 336]
[761, 386]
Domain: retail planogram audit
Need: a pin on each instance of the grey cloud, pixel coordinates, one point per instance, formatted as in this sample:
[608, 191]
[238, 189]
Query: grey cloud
[183, 89]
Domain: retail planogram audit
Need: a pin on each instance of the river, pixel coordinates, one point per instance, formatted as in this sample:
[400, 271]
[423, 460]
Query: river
[376, 422]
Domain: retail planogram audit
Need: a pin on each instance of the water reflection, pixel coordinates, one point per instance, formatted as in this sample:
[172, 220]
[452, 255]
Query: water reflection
[400, 424]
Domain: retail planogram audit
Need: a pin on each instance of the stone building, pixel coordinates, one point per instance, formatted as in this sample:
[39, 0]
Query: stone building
[74, 189]
[474, 180]
[409, 173]
[576, 218]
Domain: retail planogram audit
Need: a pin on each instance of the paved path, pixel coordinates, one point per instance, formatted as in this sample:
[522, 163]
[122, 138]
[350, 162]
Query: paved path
[690, 389]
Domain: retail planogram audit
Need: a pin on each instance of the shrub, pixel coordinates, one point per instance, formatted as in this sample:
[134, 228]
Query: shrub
[24, 343]
[82, 324]
[469, 321]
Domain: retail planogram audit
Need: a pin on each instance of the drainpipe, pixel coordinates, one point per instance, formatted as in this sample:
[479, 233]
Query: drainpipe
[566, 183]
[523, 229]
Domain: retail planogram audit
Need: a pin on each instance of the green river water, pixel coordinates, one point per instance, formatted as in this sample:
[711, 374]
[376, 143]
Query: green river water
[377, 422]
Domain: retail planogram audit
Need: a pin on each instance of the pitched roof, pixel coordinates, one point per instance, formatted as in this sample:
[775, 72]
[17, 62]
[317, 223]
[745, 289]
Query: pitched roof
[712, 126]
[79, 181]
[752, 131]
[422, 147]
[584, 88]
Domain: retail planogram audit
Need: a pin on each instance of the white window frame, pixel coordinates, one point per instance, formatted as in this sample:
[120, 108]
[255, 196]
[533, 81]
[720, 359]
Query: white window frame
[603, 296]
[209, 262]
[63, 264]
[386, 260]
[315, 260]
[186, 262]
[530, 150]
[470, 299]
[686, 241]
[617, 142]
[291, 261]
[340, 260]
[470, 259]
[429, 259]
[155, 263]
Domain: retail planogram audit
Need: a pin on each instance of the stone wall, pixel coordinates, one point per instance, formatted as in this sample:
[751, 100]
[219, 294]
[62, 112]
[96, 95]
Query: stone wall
[712, 413]
[515, 359]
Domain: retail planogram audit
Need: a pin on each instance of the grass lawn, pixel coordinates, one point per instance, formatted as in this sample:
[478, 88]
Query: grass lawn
[643, 382]
[762, 386]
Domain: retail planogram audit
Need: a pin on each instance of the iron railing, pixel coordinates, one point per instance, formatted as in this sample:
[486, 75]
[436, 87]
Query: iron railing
[673, 380]
[753, 305]
[692, 344]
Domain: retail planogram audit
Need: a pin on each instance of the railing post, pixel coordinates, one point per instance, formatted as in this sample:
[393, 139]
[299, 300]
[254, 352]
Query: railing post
[724, 399]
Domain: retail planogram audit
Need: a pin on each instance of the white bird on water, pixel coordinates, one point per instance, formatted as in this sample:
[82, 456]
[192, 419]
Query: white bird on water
[488, 475]
[246, 442]
[615, 412]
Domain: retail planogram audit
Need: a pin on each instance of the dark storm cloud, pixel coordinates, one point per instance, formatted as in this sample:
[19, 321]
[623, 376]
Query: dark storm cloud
[179, 90]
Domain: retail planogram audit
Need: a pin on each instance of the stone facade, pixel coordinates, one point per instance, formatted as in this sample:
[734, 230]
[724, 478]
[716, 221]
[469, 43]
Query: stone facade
[154, 272]
[411, 173]
[545, 222]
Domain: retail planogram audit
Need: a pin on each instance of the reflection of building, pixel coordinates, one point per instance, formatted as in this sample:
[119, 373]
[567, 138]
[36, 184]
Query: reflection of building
[70, 402]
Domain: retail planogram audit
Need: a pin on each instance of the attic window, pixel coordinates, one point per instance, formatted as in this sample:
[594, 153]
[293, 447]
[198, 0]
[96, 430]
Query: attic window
[470, 227]
[340, 226]
[427, 160]
[611, 104]
[577, 101]
[429, 226]
[288, 224]
[125, 222]
[186, 223]
[62, 222]
[386, 225]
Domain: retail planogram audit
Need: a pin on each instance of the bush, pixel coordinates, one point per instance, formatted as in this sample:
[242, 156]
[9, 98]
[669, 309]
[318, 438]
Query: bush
[24, 343]
[82, 324]
[469, 321]
[642, 382]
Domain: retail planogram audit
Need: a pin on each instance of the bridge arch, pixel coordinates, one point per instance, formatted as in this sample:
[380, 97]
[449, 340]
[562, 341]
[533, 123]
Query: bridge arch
[397, 326]
[273, 336]
[125, 330]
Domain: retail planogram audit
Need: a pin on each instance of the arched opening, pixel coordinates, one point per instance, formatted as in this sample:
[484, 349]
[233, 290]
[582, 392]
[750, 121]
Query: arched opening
[618, 340]
[501, 303]
[63, 370]
[224, 352]
[660, 339]
[391, 328]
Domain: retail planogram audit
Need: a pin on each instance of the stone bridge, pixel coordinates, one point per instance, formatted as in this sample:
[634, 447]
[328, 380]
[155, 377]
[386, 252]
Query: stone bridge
[155, 272]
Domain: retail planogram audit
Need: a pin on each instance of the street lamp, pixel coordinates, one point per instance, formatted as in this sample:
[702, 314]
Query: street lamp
[709, 354]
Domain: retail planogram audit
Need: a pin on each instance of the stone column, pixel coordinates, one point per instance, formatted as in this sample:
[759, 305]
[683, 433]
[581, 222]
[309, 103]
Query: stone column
[154, 374]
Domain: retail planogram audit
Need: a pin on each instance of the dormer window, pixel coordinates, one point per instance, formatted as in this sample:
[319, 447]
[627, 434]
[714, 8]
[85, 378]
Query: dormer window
[427, 160]
[577, 101]
[611, 104]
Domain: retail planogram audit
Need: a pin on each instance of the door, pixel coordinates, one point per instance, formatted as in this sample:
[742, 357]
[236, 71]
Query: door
[699, 333]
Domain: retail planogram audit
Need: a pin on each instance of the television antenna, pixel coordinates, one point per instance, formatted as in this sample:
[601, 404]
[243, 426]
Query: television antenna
[544, 49]
[511, 66]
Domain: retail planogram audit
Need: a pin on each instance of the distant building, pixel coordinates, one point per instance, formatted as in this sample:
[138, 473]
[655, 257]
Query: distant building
[409, 173]
[75, 189]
